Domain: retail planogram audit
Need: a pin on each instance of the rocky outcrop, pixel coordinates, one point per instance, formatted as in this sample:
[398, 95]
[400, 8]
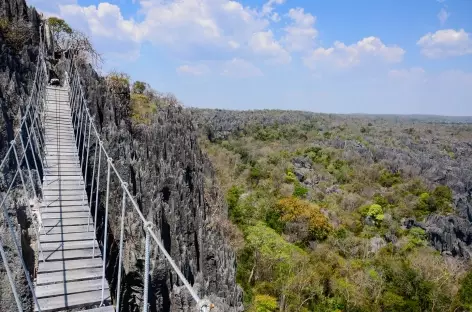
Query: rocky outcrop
[17, 68]
[171, 180]
[438, 153]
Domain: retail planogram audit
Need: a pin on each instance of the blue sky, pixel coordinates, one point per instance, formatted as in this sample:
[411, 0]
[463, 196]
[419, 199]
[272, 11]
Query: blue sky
[337, 56]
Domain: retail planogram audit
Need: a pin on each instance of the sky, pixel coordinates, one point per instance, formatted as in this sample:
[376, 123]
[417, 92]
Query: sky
[331, 56]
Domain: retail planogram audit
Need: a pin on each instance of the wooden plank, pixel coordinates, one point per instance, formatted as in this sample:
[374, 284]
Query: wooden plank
[63, 166]
[102, 309]
[68, 254]
[63, 179]
[57, 203]
[72, 275]
[52, 200]
[68, 229]
[73, 300]
[76, 221]
[64, 173]
[63, 184]
[74, 186]
[66, 265]
[69, 245]
[63, 192]
[59, 289]
[63, 209]
[64, 215]
[66, 237]
[54, 156]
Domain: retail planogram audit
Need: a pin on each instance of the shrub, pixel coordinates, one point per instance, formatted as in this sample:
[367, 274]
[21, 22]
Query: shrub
[375, 211]
[443, 193]
[119, 82]
[293, 209]
[58, 26]
[439, 201]
[290, 177]
[417, 236]
[256, 173]
[275, 255]
[232, 197]
[465, 292]
[389, 179]
[265, 303]
[142, 107]
[16, 33]
[300, 191]
[139, 87]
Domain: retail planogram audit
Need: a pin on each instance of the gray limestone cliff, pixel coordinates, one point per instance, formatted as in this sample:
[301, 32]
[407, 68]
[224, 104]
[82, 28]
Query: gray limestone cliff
[173, 183]
[19, 41]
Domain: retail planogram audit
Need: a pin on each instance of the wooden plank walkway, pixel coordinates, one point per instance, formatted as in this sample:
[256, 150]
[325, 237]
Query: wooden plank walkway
[70, 278]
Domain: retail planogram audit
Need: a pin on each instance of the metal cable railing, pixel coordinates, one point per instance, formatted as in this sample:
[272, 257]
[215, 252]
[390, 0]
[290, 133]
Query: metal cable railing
[85, 131]
[18, 157]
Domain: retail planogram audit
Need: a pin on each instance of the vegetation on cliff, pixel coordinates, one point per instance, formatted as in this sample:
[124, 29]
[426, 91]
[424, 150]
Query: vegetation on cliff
[333, 209]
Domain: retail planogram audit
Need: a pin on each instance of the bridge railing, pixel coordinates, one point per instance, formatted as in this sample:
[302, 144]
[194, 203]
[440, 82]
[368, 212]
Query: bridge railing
[20, 172]
[85, 133]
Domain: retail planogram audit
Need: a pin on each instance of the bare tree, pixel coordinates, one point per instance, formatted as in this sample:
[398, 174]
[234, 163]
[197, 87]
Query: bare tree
[73, 41]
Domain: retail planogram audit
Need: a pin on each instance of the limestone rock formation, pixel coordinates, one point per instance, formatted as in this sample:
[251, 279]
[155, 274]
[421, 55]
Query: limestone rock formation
[174, 187]
[18, 55]
[415, 155]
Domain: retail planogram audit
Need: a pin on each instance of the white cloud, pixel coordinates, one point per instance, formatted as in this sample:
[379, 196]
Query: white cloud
[341, 55]
[263, 43]
[268, 7]
[183, 26]
[104, 20]
[193, 70]
[240, 68]
[443, 15]
[301, 33]
[445, 43]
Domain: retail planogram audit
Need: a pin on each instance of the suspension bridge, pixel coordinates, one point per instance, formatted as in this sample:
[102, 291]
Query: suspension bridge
[52, 161]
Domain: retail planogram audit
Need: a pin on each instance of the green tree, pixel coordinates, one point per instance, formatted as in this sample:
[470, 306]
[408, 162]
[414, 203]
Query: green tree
[264, 303]
[465, 292]
[139, 87]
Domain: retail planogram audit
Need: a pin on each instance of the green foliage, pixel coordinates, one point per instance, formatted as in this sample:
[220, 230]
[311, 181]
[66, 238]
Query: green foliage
[265, 303]
[139, 87]
[142, 107]
[439, 201]
[416, 238]
[465, 292]
[15, 33]
[257, 173]
[300, 191]
[375, 211]
[290, 177]
[4, 24]
[389, 179]
[340, 271]
[340, 170]
[58, 25]
[381, 200]
[443, 193]
[119, 82]
[271, 247]
[232, 198]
